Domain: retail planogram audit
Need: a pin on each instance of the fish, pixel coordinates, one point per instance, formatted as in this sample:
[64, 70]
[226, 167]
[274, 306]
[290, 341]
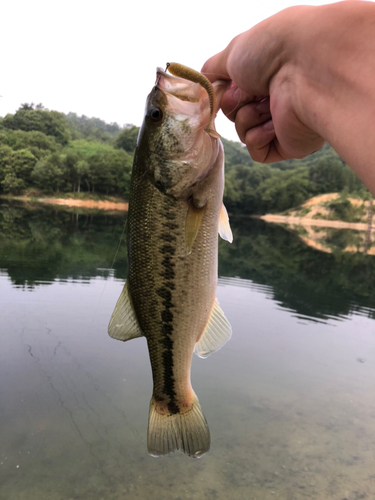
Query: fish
[175, 214]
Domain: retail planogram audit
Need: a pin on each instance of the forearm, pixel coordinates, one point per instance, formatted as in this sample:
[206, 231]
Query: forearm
[334, 80]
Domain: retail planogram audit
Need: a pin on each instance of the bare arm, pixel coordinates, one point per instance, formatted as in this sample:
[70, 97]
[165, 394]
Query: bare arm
[316, 68]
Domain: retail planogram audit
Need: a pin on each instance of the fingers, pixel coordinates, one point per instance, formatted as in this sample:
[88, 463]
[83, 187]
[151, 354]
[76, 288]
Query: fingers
[262, 144]
[255, 128]
[233, 99]
[251, 115]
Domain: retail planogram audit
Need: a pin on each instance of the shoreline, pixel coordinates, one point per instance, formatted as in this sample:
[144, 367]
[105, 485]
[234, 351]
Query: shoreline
[305, 221]
[272, 218]
[72, 202]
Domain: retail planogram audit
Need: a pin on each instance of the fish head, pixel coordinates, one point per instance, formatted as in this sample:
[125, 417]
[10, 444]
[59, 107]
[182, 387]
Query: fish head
[179, 150]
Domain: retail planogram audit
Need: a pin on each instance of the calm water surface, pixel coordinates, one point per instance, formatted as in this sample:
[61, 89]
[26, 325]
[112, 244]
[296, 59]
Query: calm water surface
[289, 400]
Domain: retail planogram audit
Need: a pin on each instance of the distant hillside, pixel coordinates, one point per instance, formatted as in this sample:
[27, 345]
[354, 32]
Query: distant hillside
[52, 152]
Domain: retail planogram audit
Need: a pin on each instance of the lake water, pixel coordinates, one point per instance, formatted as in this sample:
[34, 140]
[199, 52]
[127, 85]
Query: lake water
[290, 400]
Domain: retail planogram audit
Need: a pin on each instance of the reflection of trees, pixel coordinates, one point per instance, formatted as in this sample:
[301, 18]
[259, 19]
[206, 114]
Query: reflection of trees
[47, 243]
[306, 280]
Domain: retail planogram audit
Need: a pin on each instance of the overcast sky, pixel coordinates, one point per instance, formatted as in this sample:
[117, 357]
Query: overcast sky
[98, 58]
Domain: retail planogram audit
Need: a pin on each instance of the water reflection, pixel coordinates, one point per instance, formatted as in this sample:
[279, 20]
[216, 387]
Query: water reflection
[289, 400]
[41, 244]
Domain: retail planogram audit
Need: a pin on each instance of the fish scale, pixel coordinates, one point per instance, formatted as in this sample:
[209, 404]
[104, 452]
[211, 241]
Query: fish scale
[160, 297]
[175, 211]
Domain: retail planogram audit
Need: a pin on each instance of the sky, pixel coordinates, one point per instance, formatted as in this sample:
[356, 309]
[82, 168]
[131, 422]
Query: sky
[98, 58]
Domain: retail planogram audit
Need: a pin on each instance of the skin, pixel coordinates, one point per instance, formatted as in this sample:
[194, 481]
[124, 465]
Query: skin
[303, 77]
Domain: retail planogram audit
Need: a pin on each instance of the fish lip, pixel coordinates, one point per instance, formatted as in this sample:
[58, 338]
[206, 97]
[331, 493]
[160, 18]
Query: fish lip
[161, 73]
[172, 80]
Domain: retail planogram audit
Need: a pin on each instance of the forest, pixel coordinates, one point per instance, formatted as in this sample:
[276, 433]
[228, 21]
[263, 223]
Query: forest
[48, 152]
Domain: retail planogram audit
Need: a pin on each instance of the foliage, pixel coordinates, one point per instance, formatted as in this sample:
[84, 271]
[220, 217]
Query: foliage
[343, 209]
[82, 127]
[36, 150]
[285, 189]
[255, 188]
[236, 154]
[29, 118]
[48, 174]
[56, 152]
[36, 142]
[12, 184]
[15, 169]
[127, 140]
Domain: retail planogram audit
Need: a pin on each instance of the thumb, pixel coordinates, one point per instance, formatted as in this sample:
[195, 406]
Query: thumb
[215, 68]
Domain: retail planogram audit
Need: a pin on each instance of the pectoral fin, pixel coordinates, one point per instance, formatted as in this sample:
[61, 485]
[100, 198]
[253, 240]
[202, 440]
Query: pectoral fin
[217, 333]
[224, 226]
[124, 324]
[193, 223]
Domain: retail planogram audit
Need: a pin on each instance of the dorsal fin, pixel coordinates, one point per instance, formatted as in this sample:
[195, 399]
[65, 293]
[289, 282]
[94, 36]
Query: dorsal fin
[217, 333]
[124, 323]
[224, 226]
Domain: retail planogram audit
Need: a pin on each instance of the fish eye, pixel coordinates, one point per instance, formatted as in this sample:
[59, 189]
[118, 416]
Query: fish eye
[156, 114]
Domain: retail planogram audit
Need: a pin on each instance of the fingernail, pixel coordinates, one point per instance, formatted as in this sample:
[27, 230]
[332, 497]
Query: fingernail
[263, 106]
[268, 126]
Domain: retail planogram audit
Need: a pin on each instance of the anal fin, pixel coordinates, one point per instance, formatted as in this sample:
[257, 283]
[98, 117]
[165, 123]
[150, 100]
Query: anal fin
[124, 323]
[216, 334]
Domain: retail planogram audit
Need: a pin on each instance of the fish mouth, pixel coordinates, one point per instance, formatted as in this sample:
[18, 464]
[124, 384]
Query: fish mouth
[161, 74]
[183, 89]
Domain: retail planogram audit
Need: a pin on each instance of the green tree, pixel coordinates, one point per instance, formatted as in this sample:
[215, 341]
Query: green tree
[28, 118]
[6, 161]
[37, 142]
[48, 174]
[23, 163]
[82, 169]
[241, 187]
[285, 189]
[12, 184]
[127, 140]
[82, 127]
[15, 169]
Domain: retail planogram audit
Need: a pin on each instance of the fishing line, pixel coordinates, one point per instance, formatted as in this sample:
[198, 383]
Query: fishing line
[118, 247]
[113, 262]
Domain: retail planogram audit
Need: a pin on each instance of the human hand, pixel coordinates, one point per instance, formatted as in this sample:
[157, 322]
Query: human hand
[269, 85]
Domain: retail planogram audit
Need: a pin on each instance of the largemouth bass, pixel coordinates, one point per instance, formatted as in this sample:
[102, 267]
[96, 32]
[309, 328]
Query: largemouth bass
[175, 213]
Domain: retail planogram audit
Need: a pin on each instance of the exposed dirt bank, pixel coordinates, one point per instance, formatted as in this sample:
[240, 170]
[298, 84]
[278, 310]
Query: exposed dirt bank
[307, 221]
[71, 202]
[315, 222]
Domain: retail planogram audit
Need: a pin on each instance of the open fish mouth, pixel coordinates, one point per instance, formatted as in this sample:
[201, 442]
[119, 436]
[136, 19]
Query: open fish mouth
[181, 88]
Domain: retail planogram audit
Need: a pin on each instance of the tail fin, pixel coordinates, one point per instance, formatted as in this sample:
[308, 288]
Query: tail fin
[187, 432]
